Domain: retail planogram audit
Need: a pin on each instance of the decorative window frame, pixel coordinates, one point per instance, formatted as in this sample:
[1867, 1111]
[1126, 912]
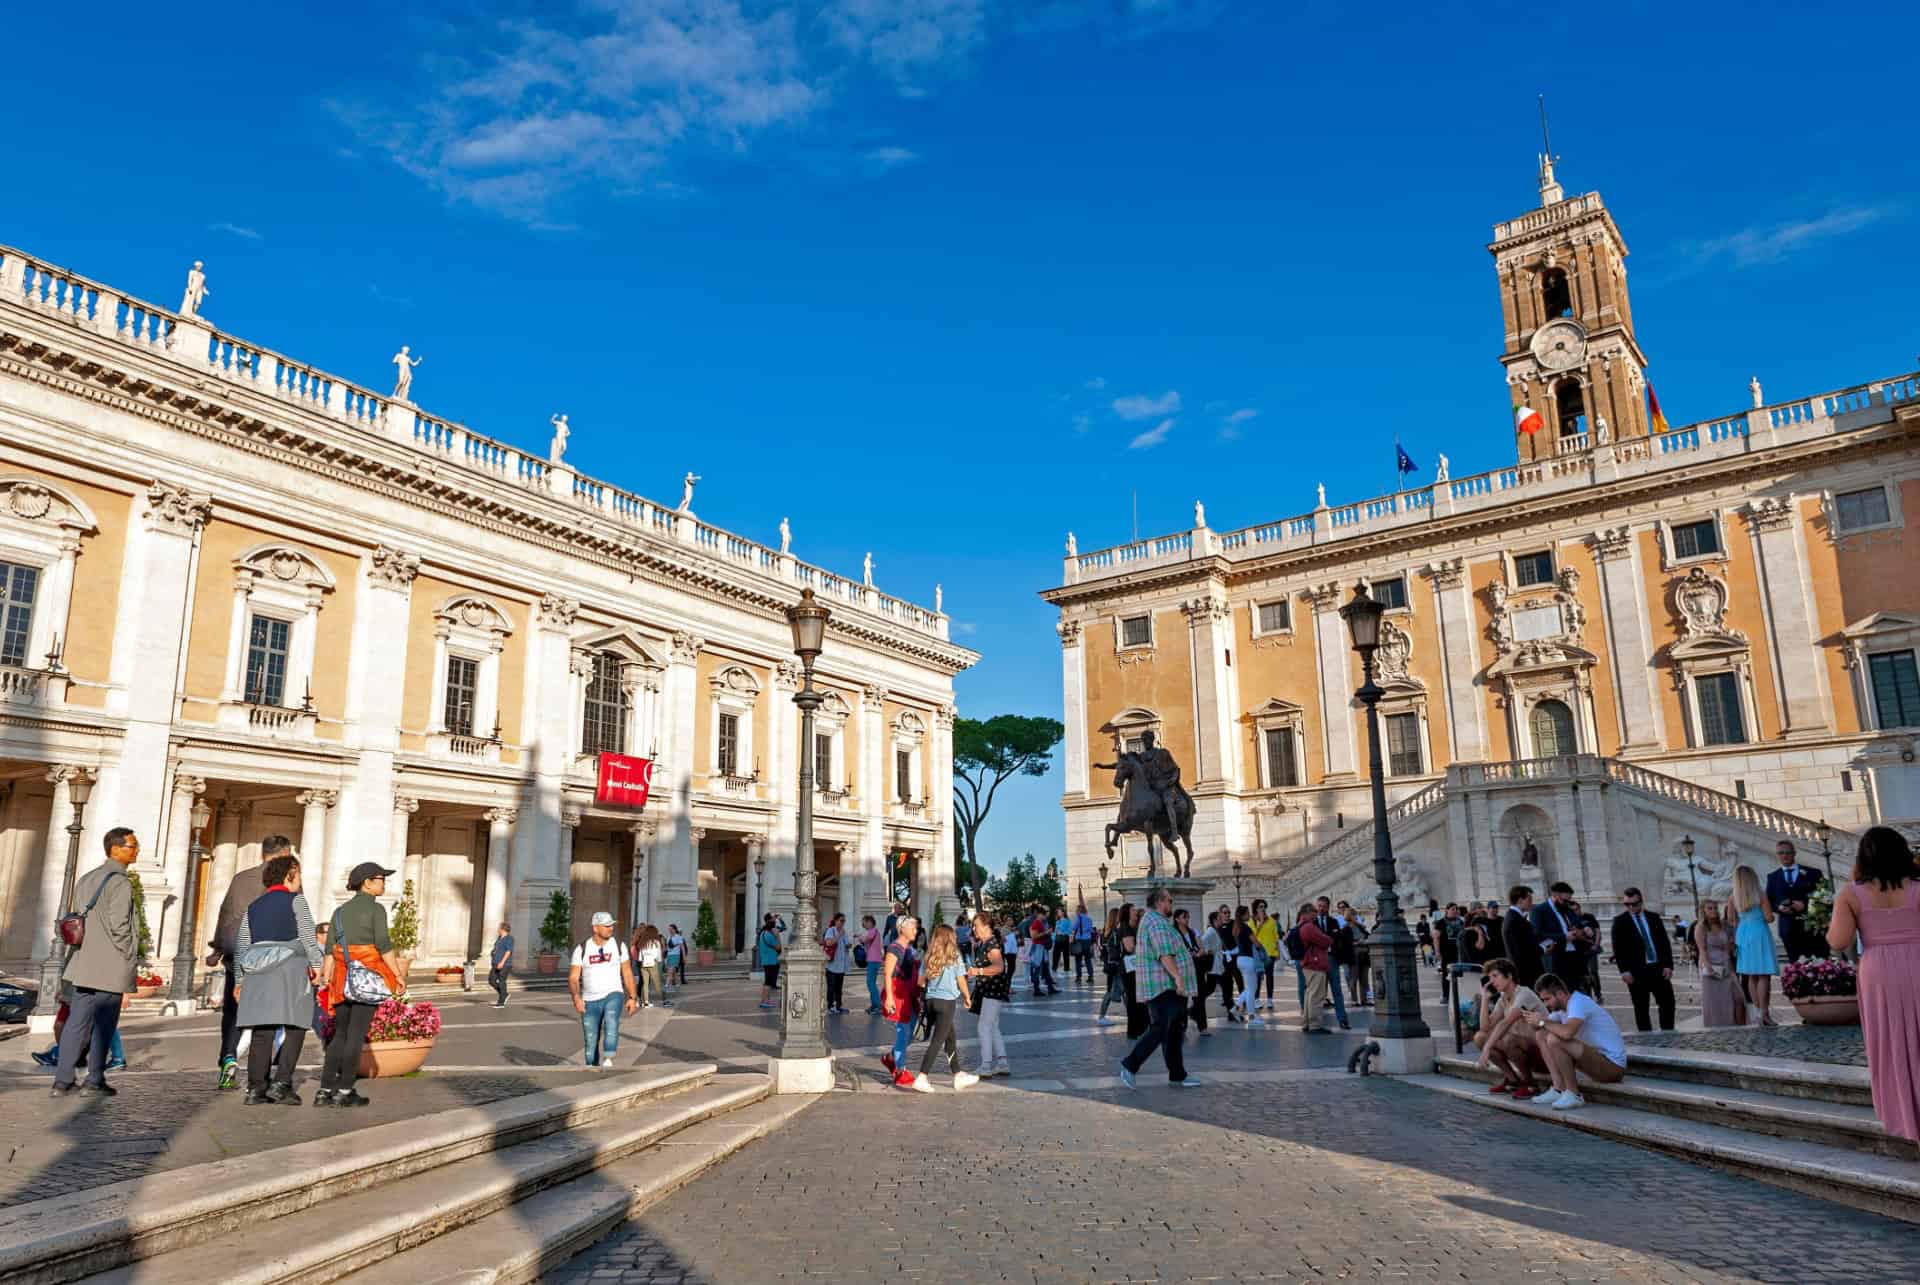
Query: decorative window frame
[1707, 646]
[1405, 577]
[733, 689]
[1129, 652]
[1510, 563]
[1883, 631]
[280, 582]
[831, 721]
[1669, 560]
[41, 526]
[1278, 715]
[1406, 702]
[471, 627]
[1253, 616]
[642, 675]
[1129, 724]
[1830, 502]
[908, 735]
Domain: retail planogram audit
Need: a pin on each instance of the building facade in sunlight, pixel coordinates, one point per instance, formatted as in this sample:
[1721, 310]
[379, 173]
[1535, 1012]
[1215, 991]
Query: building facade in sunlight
[233, 578]
[1635, 635]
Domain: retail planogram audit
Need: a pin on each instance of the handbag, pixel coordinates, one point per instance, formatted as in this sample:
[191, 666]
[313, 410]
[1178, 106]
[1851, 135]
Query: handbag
[364, 986]
[73, 928]
[860, 955]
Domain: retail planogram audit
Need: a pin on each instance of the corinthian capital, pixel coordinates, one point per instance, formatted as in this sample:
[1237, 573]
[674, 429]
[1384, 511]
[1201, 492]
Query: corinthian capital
[392, 569]
[1069, 631]
[1612, 542]
[175, 509]
[1770, 513]
[1324, 597]
[1448, 573]
[557, 612]
[687, 646]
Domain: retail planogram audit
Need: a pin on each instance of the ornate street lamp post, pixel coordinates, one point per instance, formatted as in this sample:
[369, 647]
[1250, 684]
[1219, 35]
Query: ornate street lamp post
[1826, 853]
[1397, 1016]
[1693, 879]
[1236, 885]
[79, 789]
[1103, 895]
[804, 1063]
[759, 888]
[181, 992]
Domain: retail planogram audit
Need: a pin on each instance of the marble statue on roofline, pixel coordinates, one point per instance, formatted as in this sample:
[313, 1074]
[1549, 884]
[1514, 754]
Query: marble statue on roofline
[687, 484]
[866, 571]
[1753, 386]
[197, 291]
[403, 380]
[1199, 514]
[1440, 471]
[786, 538]
[938, 597]
[1321, 488]
[1073, 546]
[560, 435]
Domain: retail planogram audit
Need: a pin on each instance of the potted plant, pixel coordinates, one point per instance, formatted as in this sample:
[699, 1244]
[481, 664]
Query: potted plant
[706, 935]
[556, 932]
[146, 982]
[1825, 992]
[449, 973]
[403, 930]
[399, 1038]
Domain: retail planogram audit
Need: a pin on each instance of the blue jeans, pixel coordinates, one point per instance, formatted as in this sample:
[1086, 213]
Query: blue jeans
[873, 987]
[902, 1036]
[1339, 1000]
[600, 1027]
[1300, 983]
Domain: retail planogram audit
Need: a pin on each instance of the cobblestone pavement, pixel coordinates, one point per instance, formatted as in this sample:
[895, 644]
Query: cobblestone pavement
[1281, 1168]
[1839, 1045]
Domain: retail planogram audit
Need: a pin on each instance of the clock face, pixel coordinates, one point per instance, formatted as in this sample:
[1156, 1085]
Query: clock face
[1560, 345]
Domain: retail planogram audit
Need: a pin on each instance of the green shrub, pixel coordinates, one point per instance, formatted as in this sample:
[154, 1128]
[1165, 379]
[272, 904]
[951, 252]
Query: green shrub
[556, 930]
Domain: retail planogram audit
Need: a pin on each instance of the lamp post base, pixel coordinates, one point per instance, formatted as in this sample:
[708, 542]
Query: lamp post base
[1404, 1056]
[40, 1023]
[801, 1074]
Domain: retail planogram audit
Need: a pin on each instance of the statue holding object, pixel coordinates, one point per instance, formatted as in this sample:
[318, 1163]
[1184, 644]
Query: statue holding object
[1152, 803]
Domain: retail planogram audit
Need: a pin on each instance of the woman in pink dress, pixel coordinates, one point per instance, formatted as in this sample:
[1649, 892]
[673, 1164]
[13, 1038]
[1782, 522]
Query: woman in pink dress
[1883, 906]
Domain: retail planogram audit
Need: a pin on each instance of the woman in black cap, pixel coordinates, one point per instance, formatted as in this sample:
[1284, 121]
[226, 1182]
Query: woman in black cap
[359, 966]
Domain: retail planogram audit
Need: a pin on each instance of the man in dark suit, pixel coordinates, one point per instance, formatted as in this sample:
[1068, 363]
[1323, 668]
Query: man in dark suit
[1788, 890]
[1645, 954]
[1518, 938]
[1561, 934]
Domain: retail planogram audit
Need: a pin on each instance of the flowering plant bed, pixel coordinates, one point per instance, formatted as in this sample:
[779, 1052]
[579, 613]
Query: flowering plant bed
[1818, 978]
[397, 1020]
[146, 979]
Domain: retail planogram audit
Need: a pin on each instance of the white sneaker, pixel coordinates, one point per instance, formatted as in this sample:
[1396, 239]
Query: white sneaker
[606, 1062]
[921, 1084]
[1551, 1098]
[1568, 1101]
[964, 1080]
[1107, 1021]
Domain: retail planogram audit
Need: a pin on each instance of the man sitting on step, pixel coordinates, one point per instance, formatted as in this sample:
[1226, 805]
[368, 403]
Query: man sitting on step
[1577, 1035]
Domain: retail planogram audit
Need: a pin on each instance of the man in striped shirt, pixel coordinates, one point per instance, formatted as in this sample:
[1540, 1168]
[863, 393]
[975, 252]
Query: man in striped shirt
[1165, 982]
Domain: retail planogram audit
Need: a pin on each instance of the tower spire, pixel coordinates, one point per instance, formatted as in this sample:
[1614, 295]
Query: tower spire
[1550, 190]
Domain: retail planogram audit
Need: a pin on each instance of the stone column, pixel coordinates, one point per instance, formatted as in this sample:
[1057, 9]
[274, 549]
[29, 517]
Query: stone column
[1629, 640]
[404, 859]
[755, 847]
[499, 875]
[166, 878]
[364, 824]
[940, 809]
[783, 729]
[1330, 652]
[1459, 659]
[1073, 677]
[1799, 674]
[227, 835]
[330, 888]
[848, 855]
[1209, 634]
[563, 854]
[53, 865]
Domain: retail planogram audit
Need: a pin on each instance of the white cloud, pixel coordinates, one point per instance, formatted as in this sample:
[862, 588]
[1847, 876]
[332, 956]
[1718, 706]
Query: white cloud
[1230, 425]
[1095, 384]
[1141, 406]
[1153, 436]
[234, 229]
[1082, 422]
[965, 627]
[892, 157]
[1772, 243]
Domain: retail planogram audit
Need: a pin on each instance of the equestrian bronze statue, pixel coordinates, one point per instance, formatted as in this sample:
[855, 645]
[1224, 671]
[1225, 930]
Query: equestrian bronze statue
[1152, 803]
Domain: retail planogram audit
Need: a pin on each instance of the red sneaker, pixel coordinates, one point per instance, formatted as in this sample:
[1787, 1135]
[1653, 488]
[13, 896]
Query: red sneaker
[1502, 1087]
[903, 1079]
[886, 1060]
[1524, 1093]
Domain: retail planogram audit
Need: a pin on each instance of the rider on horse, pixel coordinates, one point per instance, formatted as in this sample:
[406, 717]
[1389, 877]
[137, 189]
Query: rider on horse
[1152, 766]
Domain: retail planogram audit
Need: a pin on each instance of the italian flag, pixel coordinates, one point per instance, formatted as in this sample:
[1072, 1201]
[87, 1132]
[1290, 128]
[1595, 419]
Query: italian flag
[1527, 419]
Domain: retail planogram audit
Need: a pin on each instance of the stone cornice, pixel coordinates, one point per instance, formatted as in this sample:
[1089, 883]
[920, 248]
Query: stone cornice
[104, 372]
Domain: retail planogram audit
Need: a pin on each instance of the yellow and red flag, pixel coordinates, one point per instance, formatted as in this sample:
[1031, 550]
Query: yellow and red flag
[1655, 416]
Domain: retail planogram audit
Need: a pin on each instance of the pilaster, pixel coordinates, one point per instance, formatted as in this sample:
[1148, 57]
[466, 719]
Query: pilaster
[1215, 687]
[1330, 650]
[1629, 638]
[1459, 660]
[1073, 678]
[1806, 704]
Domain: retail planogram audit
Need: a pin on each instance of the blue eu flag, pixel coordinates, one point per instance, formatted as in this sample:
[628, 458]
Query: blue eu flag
[1403, 461]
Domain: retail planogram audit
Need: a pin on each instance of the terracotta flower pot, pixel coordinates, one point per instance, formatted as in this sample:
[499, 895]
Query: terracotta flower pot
[448, 974]
[704, 958]
[547, 962]
[147, 991]
[1828, 1010]
[387, 1058]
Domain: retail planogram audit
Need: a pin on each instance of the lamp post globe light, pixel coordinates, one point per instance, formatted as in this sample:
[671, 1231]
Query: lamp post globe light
[1397, 1015]
[804, 1064]
[181, 991]
[47, 1007]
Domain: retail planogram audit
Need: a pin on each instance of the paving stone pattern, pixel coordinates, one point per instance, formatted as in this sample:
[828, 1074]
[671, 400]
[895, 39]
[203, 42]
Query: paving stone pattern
[1837, 1045]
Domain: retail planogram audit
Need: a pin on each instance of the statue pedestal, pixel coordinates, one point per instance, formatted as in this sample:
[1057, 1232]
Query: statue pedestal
[1188, 894]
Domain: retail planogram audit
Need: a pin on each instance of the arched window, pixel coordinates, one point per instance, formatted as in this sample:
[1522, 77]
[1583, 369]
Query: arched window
[1570, 407]
[1553, 730]
[604, 729]
[1556, 296]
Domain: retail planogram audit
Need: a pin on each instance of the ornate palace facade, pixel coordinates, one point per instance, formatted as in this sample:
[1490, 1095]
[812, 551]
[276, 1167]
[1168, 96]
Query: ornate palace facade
[1627, 638]
[233, 578]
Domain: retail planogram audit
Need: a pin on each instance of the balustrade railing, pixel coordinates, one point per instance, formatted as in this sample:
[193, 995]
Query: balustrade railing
[271, 718]
[1719, 803]
[18, 683]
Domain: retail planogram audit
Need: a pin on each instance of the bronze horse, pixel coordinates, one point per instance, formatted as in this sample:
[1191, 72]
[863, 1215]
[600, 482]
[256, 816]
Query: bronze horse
[1141, 813]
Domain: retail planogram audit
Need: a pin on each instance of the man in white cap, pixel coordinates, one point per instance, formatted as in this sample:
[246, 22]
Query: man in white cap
[601, 979]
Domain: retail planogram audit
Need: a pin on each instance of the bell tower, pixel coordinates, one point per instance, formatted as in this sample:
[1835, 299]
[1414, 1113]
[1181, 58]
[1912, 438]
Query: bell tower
[1570, 354]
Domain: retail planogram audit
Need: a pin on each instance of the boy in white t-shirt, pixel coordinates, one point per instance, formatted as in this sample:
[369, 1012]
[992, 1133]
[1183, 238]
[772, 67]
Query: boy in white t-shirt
[601, 979]
[1577, 1035]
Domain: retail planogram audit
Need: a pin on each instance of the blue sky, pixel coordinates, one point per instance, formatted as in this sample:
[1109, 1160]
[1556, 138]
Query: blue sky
[945, 278]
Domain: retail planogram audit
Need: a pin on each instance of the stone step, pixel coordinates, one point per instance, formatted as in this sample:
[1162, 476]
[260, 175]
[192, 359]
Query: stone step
[328, 1240]
[68, 1237]
[1819, 1081]
[519, 1243]
[1835, 1124]
[1876, 1183]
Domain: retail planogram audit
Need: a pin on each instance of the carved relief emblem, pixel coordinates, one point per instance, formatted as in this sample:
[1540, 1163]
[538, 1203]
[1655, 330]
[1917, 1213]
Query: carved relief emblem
[1395, 650]
[285, 564]
[30, 501]
[1701, 602]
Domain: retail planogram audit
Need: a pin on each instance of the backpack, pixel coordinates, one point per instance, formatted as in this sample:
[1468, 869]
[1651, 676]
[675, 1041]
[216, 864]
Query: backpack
[860, 955]
[1296, 947]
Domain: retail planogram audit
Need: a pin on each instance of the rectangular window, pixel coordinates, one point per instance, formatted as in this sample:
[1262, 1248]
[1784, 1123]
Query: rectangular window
[1136, 631]
[1275, 616]
[1856, 509]
[604, 725]
[1282, 769]
[17, 586]
[823, 760]
[1696, 539]
[1391, 594]
[1403, 745]
[1533, 568]
[903, 775]
[267, 643]
[1896, 689]
[463, 687]
[1721, 720]
[730, 745]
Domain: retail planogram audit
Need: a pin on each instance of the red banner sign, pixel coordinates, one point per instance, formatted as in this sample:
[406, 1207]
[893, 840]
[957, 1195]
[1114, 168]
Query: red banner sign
[624, 780]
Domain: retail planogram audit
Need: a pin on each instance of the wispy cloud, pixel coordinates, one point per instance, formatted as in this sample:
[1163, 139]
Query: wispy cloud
[1142, 406]
[1153, 436]
[1082, 422]
[888, 158]
[965, 627]
[1230, 424]
[234, 229]
[1095, 384]
[1770, 243]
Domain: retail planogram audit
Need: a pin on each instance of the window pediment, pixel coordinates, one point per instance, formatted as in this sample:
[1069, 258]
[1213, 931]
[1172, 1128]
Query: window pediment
[32, 500]
[631, 647]
[735, 683]
[276, 565]
[466, 613]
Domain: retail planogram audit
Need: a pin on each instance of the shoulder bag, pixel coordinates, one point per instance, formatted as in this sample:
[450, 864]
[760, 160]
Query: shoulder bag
[73, 928]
